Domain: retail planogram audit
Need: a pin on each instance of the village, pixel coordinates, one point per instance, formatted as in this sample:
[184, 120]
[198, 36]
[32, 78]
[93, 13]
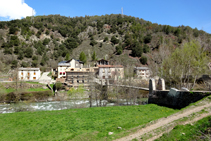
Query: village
[73, 73]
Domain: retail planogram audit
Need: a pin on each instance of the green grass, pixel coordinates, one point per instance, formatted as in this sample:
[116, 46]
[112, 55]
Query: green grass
[78, 124]
[189, 132]
[30, 82]
[35, 89]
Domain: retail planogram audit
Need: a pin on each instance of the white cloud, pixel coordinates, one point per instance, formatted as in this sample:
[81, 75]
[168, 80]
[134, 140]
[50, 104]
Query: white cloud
[15, 9]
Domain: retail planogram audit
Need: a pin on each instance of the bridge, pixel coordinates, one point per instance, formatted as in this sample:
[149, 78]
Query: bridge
[134, 87]
[103, 82]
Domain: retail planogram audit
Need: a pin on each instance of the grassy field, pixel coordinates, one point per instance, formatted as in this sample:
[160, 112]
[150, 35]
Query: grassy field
[5, 91]
[78, 124]
[197, 131]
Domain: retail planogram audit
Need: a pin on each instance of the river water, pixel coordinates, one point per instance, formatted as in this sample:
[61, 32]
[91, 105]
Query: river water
[54, 105]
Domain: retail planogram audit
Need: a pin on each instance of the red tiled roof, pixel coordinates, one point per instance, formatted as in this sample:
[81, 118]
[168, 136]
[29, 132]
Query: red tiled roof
[110, 66]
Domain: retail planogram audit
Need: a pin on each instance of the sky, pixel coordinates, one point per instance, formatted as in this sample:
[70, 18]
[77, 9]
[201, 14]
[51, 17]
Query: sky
[193, 13]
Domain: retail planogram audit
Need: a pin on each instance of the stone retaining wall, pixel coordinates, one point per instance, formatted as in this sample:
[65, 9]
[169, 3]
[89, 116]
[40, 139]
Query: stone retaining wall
[173, 98]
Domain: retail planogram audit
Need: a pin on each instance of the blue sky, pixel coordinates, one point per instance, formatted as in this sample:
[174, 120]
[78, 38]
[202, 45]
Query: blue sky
[193, 13]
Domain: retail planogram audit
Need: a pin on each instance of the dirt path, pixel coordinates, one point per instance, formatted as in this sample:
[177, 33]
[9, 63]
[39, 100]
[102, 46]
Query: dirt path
[164, 121]
[187, 122]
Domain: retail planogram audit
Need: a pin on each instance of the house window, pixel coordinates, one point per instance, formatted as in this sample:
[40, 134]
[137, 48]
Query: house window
[63, 73]
[82, 81]
[22, 73]
[34, 78]
[28, 78]
[77, 81]
[60, 73]
[72, 69]
[34, 73]
[28, 73]
[21, 78]
[87, 69]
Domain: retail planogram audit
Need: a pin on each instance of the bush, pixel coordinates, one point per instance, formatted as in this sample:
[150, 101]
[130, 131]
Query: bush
[114, 40]
[58, 85]
[12, 30]
[146, 48]
[14, 64]
[137, 50]
[147, 39]
[119, 50]
[105, 39]
[47, 32]
[28, 52]
[24, 64]
[46, 41]
[143, 60]
[93, 42]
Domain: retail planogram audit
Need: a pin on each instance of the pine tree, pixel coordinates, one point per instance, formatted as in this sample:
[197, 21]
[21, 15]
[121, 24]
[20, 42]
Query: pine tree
[82, 57]
[94, 58]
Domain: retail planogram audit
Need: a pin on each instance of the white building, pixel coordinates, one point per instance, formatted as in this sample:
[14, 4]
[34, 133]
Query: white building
[63, 65]
[28, 73]
[111, 71]
[142, 72]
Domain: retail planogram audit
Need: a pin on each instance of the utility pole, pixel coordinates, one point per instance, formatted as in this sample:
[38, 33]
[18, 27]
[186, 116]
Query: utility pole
[32, 17]
[122, 12]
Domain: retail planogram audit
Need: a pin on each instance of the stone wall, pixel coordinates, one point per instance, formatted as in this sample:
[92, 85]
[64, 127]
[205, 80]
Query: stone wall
[181, 100]
[173, 98]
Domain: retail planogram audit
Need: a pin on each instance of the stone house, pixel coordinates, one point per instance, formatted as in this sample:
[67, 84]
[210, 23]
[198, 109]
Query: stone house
[77, 76]
[102, 62]
[63, 65]
[111, 71]
[29, 74]
[142, 72]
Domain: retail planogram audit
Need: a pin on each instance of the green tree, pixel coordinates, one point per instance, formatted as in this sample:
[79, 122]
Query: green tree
[94, 58]
[13, 29]
[145, 48]
[14, 64]
[137, 50]
[67, 57]
[47, 32]
[143, 60]
[185, 64]
[114, 40]
[93, 42]
[34, 63]
[20, 55]
[24, 64]
[28, 52]
[119, 50]
[82, 57]
[147, 39]
[105, 39]
[46, 41]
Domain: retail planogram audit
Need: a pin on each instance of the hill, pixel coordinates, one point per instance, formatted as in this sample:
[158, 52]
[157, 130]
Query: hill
[45, 40]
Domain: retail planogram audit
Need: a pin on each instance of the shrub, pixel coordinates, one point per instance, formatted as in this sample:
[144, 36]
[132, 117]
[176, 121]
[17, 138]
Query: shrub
[93, 42]
[146, 48]
[143, 60]
[147, 39]
[58, 85]
[114, 40]
[105, 39]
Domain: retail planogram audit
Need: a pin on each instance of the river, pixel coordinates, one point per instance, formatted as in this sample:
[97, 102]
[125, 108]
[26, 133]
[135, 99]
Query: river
[53, 105]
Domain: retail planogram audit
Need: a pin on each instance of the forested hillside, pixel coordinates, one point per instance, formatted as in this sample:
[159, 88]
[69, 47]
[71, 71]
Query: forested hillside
[43, 41]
